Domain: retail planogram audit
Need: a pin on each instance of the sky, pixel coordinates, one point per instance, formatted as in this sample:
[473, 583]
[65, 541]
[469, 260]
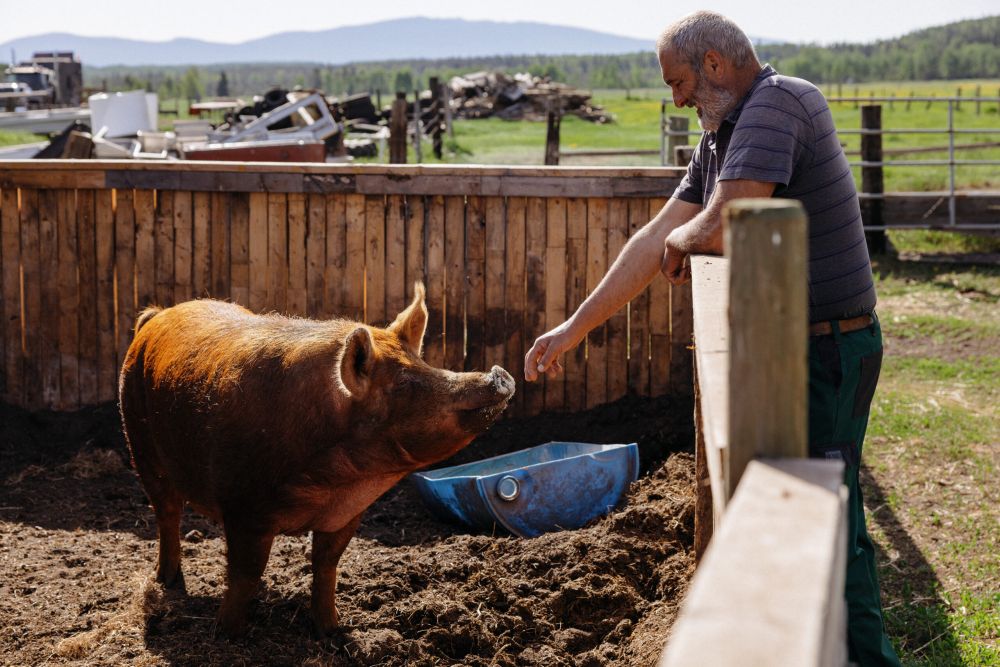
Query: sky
[791, 20]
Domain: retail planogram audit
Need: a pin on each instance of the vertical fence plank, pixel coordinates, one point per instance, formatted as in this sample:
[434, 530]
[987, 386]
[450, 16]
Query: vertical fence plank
[497, 313]
[145, 250]
[514, 301]
[575, 360]
[335, 269]
[239, 248]
[535, 298]
[125, 270]
[183, 238]
[87, 290]
[395, 256]
[277, 251]
[375, 260]
[104, 239]
[638, 313]
[48, 238]
[201, 273]
[475, 284]
[597, 266]
[354, 268]
[163, 243]
[32, 277]
[659, 328]
[416, 258]
[315, 254]
[681, 325]
[10, 260]
[434, 338]
[454, 259]
[69, 302]
[555, 290]
[257, 249]
[617, 346]
[296, 304]
[220, 244]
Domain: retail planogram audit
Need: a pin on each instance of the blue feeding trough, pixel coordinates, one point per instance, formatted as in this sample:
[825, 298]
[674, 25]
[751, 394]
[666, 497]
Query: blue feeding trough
[555, 486]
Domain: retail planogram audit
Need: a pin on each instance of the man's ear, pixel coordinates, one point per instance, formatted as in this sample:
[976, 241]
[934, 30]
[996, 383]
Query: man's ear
[712, 64]
[410, 324]
[356, 362]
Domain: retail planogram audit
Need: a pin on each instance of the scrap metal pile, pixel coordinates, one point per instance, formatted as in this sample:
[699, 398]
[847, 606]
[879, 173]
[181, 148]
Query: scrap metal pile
[519, 97]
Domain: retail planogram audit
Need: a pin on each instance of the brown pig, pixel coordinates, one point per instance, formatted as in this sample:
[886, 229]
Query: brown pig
[275, 425]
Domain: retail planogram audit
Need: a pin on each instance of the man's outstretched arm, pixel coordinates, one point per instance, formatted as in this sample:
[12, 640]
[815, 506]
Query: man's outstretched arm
[631, 272]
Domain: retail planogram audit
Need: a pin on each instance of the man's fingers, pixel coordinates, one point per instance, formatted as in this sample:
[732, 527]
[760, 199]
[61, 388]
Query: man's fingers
[531, 360]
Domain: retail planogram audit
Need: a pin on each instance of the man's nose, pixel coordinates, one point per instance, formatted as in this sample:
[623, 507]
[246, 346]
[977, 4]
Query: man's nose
[679, 100]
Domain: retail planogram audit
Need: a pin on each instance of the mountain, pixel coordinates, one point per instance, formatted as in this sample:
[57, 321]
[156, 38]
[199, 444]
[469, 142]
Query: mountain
[397, 39]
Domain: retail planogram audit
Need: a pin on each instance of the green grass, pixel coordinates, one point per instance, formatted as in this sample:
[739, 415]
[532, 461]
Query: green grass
[15, 138]
[932, 455]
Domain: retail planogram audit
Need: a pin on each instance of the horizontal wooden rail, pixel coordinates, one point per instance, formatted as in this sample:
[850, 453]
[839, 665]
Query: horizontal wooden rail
[505, 253]
[770, 589]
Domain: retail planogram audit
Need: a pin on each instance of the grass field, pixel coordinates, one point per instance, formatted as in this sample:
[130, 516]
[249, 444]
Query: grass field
[932, 458]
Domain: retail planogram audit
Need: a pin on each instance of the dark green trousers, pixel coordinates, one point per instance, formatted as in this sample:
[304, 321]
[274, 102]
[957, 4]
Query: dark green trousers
[843, 372]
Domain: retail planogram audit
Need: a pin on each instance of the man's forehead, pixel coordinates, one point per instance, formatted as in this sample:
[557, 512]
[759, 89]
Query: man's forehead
[672, 64]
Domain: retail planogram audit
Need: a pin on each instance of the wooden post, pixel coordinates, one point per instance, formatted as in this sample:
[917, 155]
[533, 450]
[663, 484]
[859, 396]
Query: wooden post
[683, 155]
[437, 116]
[958, 102]
[676, 124]
[397, 130]
[979, 92]
[872, 177]
[765, 240]
[418, 129]
[703, 509]
[552, 132]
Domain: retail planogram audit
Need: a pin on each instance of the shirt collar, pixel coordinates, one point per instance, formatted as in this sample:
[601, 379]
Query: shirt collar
[765, 72]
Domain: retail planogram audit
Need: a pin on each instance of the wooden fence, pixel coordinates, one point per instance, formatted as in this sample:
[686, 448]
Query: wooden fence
[506, 253]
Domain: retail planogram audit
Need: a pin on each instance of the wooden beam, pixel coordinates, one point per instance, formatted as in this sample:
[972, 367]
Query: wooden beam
[770, 589]
[765, 240]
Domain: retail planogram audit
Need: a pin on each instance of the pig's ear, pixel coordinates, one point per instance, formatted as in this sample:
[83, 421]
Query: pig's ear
[410, 324]
[356, 361]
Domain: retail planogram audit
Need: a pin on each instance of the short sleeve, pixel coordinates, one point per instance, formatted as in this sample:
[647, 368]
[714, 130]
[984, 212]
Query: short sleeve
[691, 188]
[771, 138]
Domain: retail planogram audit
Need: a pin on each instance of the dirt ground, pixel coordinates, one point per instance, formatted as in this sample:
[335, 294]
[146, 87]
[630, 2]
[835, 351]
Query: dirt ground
[77, 548]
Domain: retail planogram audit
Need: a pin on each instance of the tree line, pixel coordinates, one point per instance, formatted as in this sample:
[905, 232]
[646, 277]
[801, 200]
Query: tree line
[966, 49]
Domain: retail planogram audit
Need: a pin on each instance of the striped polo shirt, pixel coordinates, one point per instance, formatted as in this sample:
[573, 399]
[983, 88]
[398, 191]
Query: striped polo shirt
[782, 132]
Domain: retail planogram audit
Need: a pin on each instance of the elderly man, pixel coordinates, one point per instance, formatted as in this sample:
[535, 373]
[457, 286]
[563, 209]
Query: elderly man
[766, 135]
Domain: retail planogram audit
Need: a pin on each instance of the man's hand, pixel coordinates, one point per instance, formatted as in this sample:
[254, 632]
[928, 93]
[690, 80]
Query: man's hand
[675, 258]
[543, 357]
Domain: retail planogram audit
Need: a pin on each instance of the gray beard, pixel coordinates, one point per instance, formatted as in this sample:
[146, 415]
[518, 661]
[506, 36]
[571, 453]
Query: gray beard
[715, 103]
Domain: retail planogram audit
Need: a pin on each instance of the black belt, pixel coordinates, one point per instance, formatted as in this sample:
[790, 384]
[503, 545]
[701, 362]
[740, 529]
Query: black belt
[845, 326]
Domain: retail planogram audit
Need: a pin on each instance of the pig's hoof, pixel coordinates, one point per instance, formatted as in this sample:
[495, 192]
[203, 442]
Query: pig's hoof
[230, 626]
[325, 624]
[174, 581]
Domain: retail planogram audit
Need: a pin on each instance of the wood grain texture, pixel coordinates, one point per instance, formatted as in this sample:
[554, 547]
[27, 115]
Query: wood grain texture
[434, 338]
[415, 228]
[500, 216]
[334, 292]
[183, 247]
[597, 266]
[11, 366]
[395, 256]
[104, 239]
[315, 255]
[475, 284]
[297, 293]
[163, 249]
[555, 291]
[257, 250]
[516, 300]
[48, 237]
[277, 252]
[239, 248]
[201, 252]
[69, 301]
[145, 250]
[87, 289]
[535, 299]
[354, 268]
[765, 240]
[31, 263]
[659, 328]
[219, 229]
[638, 312]
[575, 361]
[125, 269]
[617, 327]
[454, 258]
[375, 312]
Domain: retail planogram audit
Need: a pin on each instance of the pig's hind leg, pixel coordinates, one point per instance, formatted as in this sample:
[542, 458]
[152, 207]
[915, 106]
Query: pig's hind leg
[247, 552]
[326, 551]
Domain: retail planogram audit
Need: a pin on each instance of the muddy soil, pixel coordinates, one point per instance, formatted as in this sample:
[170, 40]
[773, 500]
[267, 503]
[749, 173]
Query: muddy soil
[77, 548]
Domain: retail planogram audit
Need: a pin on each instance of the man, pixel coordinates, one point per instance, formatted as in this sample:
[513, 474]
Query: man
[766, 135]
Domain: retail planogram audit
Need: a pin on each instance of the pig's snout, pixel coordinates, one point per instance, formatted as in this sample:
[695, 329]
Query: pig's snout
[501, 382]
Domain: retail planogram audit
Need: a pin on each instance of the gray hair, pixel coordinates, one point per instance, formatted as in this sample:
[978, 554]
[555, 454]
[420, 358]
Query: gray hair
[694, 35]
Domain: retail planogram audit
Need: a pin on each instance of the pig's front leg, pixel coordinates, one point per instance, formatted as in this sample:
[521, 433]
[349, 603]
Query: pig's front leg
[326, 551]
[246, 556]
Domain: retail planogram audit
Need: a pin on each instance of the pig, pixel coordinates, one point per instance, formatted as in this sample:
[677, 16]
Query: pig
[278, 425]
